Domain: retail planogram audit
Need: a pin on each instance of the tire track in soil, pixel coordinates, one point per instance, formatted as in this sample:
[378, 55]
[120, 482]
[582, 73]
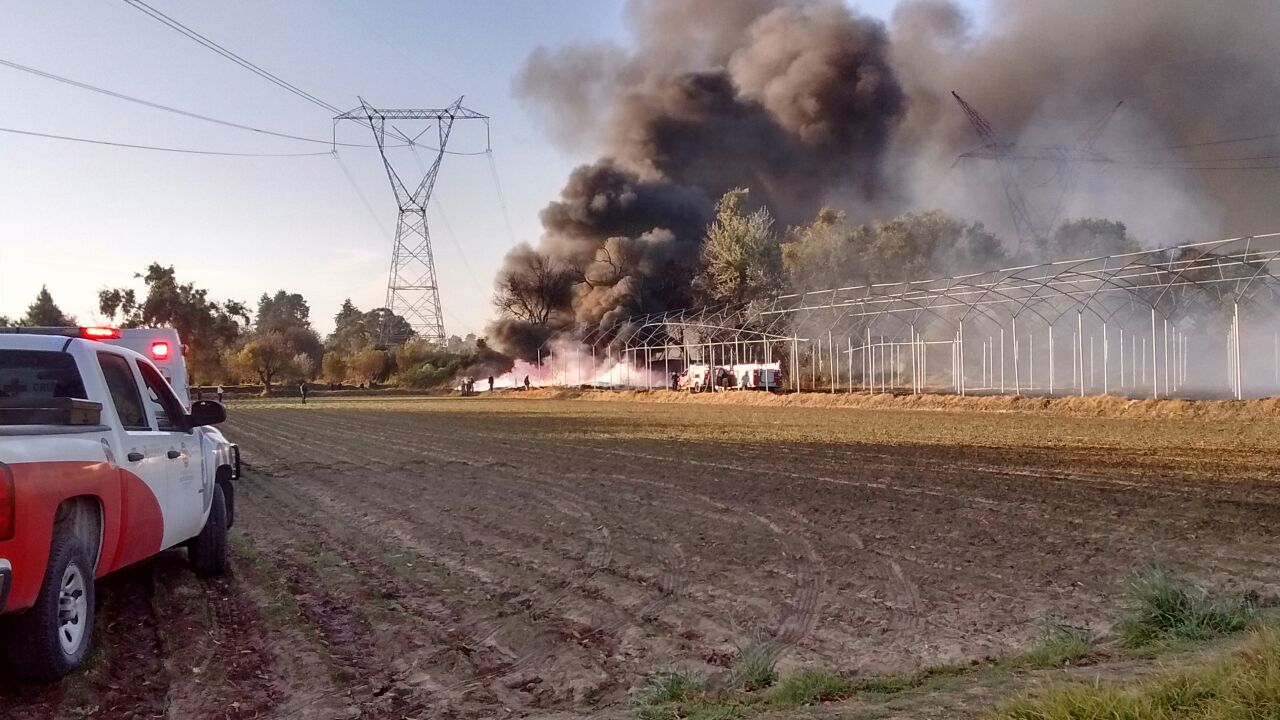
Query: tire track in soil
[242, 650]
[891, 572]
[1038, 517]
[562, 629]
[359, 656]
[581, 635]
[134, 683]
[645, 615]
[730, 516]
[789, 611]
[447, 648]
[399, 481]
[215, 645]
[1100, 595]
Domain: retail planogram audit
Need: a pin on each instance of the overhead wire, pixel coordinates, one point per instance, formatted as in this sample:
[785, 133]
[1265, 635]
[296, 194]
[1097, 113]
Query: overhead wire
[1207, 143]
[453, 238]
[188, 151]
[363, 200]
[237, 59]
[502, 198]
[233, 57]
[167, 108]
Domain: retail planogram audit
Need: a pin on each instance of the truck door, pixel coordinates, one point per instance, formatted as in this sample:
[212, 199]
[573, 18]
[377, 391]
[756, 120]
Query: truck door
[190, 488]
[144, 527]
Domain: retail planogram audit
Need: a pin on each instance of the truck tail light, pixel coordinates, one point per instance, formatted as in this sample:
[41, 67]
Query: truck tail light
[100, 333]
[160, 350]
[8, 509]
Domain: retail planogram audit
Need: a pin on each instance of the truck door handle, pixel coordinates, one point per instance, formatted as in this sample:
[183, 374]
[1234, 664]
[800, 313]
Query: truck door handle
[173, 454]
[135, 456]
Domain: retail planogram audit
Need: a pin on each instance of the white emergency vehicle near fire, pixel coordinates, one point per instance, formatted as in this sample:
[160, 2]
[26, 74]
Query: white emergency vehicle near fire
[758, 376]
[104, 461]
[746, 376]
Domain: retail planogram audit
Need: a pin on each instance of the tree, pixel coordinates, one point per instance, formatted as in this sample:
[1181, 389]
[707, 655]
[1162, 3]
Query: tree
[264, 359]
[369, 366]
[305, 341]
[831, 252]
[1091, 237]
[44, 312]
[288, 315]
[334, 367]
[531, 286]
[281, 312]
[741, 256]
[415, 353]
[302, 367]
[354, 330]
[457, 344]
[207, 328]
[825, 253]
[386, 326]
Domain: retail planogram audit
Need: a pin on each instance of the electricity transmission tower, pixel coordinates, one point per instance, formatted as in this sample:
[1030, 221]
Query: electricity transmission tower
[412, 291]
[1012, 162]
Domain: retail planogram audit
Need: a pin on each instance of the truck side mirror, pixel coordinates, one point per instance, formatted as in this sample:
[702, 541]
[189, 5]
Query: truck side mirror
[206, 412]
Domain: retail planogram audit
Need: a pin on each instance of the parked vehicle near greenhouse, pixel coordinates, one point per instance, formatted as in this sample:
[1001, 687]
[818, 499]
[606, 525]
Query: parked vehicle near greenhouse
[699, 378]
[758, 376]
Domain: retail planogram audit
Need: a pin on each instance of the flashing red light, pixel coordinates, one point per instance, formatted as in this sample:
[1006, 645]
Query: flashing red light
[100, 333]
[160, 350]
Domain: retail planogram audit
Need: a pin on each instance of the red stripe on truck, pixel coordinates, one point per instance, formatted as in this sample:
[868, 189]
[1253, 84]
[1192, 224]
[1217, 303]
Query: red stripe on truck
[133, 525]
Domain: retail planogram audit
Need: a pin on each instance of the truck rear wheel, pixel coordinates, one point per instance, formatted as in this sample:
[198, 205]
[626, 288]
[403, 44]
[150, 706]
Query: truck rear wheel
[208, 550]
[55, 636]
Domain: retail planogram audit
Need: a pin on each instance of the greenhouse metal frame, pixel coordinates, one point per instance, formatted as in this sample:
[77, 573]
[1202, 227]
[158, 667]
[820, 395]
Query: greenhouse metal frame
[1195, 320]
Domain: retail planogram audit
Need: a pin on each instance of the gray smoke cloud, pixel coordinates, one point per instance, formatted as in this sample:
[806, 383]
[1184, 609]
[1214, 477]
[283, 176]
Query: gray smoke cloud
[809, 103]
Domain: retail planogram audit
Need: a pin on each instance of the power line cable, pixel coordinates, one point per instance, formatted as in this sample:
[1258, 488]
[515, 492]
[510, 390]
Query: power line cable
[233, 57]
[363, 200]
[215, 47]
[453, 239]
[166, 108]
[502, 199]
[189, 151]
[1207, 143]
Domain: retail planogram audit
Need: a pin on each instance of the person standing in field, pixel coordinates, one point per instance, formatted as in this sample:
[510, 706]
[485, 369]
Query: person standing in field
[490, 383]
[526, 382]
[220, 393]
[302, 390]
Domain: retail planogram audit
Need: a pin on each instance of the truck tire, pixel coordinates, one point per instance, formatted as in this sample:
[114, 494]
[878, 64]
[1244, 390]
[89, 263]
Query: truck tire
[55, 635]
[208, 550]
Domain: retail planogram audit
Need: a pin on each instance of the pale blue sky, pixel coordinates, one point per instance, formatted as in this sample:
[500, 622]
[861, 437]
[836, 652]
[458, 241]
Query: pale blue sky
[79, 217]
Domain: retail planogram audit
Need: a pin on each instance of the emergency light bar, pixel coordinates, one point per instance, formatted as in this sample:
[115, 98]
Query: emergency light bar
[89, 333]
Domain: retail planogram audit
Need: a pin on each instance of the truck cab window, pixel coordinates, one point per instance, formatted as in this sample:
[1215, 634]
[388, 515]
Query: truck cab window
[163, 402]
[39, 375]
[124, 391]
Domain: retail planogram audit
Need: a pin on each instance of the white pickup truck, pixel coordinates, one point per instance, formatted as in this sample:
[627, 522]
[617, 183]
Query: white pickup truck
[101, 465]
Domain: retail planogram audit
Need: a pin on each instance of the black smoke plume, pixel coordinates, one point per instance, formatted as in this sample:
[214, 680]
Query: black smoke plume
[808, 103]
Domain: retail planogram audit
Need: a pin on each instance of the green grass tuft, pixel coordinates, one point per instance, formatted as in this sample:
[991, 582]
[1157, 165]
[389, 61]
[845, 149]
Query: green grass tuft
[755, 669]
[1164, 607]
[671, 686]
[811, 686]
[1245, 686]
[1058, 646]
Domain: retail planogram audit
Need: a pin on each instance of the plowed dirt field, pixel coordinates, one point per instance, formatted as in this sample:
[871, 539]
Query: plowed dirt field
[440, 558]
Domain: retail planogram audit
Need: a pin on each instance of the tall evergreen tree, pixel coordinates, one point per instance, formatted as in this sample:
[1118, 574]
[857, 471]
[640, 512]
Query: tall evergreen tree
[44, 312]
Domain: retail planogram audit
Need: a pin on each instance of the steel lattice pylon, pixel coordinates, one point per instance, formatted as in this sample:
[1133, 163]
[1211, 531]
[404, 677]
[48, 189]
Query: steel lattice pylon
[412, 290]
